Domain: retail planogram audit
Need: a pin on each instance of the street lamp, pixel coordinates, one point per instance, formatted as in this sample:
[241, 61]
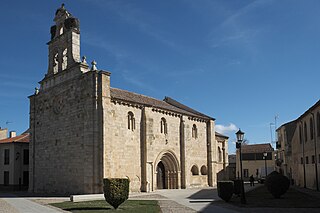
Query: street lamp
[265, 154]
[240, 136]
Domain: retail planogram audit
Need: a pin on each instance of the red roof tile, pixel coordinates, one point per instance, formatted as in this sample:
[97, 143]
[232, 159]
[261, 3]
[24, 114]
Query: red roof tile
[257, 148]
[167, 104]
[24, 138]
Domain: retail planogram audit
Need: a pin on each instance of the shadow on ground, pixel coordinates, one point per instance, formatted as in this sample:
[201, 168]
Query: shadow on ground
[260, 198]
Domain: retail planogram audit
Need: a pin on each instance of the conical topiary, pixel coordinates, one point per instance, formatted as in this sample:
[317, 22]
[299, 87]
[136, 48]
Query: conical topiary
[116, 190]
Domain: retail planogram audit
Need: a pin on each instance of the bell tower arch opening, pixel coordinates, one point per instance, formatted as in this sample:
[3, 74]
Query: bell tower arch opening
[64, 46]
[167, 171]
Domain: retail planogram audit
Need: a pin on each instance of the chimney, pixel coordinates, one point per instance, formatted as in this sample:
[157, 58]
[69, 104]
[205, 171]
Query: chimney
[13, 134]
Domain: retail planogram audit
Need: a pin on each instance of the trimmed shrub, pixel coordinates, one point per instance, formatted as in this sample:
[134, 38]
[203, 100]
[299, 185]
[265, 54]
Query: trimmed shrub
[237, 186]
[116, 190]
[225, 190]
[277, 184]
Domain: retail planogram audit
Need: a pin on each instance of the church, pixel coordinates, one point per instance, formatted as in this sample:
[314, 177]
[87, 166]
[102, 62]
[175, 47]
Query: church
[83, 130]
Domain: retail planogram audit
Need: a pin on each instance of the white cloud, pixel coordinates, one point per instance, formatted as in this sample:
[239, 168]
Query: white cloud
[226, 129]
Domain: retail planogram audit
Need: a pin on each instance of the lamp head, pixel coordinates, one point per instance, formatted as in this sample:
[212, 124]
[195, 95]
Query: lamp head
[240, 135]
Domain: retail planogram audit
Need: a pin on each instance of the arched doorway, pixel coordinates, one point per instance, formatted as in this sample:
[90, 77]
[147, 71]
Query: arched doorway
[161, 183]
[167, 172]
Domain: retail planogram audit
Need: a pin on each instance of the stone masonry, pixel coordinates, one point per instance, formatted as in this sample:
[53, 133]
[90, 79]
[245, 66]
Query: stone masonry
[82, 130]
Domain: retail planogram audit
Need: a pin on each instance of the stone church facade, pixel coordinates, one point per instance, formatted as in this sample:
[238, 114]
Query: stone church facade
[83, 130]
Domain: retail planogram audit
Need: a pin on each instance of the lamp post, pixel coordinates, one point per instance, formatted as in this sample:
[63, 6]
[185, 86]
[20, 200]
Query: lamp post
[265, 154]
[240, 136]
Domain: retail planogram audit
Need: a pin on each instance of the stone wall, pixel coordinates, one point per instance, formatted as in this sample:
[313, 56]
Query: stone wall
[64, 137]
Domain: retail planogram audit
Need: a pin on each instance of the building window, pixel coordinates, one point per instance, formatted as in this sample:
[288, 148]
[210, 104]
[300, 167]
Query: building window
[25, 178]
[307, 160]
[194, 170]
[319, 158]
[163, 124]
[312, 158]
[311, 128]
[203, 170]
[6, 178]
[245, 173]
[194, 131]
[26, 156]
[219, 154]
[301, 160]
[305, 132]
[318, 123]
[131, 121]
[6, 156]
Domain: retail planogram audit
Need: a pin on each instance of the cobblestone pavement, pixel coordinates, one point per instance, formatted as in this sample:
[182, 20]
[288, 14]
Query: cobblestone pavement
[169, 206]
[6, 207]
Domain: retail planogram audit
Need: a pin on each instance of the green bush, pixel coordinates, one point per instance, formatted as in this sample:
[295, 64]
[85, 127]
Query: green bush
[277, 184]
[225, 190]
[116, 190]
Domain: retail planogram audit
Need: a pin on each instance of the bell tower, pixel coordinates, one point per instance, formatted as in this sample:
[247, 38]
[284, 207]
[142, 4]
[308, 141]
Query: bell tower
[64, 46]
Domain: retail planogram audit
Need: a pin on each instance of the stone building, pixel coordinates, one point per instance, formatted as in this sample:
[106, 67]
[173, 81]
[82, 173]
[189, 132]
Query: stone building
[83, 130]
[14, 161]
[298, 140]
[254, 162]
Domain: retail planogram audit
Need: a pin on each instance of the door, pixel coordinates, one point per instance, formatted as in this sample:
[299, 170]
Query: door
[160, 176]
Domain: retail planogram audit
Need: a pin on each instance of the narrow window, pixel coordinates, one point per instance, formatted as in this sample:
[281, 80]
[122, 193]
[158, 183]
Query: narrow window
[194, 131]
[305, 132]
[6, 178]
[6, 156]
[311, 129]
[307, 160]
[25, 178]
[194, 170]
[312, 158]
[301, 160]
[26, 156]
[64, 59]
[55, 63]
[131, 121]
[163, 124]
[219, 154]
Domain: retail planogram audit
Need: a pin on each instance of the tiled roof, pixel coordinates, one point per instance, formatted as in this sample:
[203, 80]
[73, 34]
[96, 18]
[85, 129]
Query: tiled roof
[221, 135]
[24, 138]
[257, 148]
[310, 109]
[131, 97]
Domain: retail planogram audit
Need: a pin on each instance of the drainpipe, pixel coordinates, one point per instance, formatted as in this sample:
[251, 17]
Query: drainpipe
[315, 151]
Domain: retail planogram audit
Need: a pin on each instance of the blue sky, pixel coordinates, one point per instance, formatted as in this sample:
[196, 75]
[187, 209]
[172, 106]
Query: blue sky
[241, 62]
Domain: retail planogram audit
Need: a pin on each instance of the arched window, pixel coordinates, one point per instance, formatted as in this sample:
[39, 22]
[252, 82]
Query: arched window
[318, 123]
[194, 170]
[219, 154]
[194, 131]
[131, 121]
[64, 59]
[311, 128]
[163, 124]
[203, 170]
[55, 63]
[305, 132]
